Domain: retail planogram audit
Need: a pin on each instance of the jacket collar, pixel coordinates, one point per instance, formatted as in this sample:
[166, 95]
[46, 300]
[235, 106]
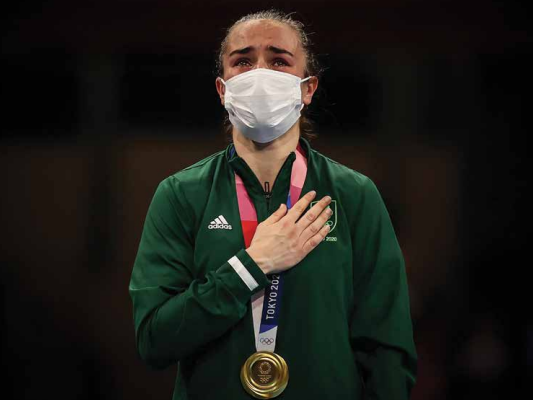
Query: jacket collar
[231, 154]
[253, 186]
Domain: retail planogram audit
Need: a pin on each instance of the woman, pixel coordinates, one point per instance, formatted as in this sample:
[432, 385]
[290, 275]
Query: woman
[268, 269]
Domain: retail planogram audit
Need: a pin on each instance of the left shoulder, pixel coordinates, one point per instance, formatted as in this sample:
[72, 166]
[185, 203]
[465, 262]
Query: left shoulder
[343, 177]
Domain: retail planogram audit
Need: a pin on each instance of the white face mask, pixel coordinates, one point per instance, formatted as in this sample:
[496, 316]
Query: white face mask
[262, 103]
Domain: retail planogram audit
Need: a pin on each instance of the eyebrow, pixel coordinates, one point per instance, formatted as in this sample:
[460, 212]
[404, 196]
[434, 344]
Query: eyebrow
[273, 49]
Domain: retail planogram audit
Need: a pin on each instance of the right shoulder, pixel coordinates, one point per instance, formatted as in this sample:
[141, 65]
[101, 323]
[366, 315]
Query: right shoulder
[189, 189]
[201, 167]
[196, 175]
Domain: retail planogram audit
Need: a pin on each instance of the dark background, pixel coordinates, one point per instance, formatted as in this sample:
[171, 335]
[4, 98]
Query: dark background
[101, 100]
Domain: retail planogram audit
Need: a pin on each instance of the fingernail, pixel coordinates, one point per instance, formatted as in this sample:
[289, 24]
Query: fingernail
[328, 198]
[312, 193]
[329, 211]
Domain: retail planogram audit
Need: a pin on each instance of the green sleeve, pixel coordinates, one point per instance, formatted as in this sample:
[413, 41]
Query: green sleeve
[176, 313]
[381, 328]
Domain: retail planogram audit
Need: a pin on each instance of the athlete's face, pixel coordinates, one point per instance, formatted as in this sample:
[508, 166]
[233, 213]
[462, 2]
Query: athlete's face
[265, 44]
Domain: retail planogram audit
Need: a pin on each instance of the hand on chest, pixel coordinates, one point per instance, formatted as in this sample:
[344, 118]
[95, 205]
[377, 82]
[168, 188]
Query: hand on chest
[221, 235]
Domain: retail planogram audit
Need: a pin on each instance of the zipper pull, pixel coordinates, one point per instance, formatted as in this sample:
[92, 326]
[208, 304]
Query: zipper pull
[267, 191]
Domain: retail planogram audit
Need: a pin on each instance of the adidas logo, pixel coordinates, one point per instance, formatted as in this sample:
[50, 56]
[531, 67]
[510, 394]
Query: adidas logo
[219, 223]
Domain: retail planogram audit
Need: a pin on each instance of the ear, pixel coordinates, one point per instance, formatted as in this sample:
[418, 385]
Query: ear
[308, 90]
[221, 89]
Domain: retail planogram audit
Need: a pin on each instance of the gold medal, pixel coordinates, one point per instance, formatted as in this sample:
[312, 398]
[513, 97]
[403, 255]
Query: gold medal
[265, 375]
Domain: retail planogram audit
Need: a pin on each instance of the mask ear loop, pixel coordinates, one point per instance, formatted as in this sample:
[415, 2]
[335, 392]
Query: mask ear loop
[302, 81]
[224, 82]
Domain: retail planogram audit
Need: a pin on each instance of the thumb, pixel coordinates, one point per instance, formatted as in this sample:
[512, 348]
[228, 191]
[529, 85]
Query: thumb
[277, 215]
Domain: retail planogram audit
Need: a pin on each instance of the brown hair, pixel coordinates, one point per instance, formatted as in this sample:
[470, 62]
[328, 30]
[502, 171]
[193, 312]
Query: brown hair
[312, 66]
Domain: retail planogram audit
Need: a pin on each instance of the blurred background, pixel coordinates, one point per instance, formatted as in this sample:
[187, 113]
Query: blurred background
[101, 100]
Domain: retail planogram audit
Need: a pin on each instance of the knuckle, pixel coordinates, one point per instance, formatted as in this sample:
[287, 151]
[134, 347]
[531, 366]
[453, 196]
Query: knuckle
[313, 228]
[291, 233]
[310, 216]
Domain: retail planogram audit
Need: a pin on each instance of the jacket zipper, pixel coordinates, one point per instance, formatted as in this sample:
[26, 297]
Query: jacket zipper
[267, 193]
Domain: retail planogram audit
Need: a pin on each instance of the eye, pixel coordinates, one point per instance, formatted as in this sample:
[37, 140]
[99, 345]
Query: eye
[280, 62]
[242, 62]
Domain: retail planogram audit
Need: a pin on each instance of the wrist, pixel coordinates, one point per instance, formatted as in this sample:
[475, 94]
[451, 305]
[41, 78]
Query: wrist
[264, 263]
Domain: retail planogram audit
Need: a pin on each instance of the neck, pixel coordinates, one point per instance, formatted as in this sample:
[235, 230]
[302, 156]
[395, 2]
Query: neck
[266, 159]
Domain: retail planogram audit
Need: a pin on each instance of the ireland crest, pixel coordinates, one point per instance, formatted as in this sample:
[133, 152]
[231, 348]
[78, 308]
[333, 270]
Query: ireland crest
[332, 221]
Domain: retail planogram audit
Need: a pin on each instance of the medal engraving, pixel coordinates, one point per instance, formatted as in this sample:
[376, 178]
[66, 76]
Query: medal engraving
[265, 375]
[263, 372]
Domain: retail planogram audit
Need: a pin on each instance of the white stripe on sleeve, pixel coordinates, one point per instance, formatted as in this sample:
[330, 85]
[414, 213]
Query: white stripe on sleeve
[223, 220]
[218, 221]
[243, 272]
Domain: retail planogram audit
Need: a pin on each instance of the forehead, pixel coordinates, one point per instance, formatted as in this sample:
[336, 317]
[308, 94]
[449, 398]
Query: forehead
[262, 33]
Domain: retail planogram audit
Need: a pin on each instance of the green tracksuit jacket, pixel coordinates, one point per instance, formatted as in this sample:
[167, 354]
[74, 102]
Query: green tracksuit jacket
[344, 330]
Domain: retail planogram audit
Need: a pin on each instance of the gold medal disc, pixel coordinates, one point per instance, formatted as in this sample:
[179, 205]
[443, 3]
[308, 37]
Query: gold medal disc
[265, 375]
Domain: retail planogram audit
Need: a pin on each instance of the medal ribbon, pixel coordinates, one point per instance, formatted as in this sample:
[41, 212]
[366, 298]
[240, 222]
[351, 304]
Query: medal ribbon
[270, 297]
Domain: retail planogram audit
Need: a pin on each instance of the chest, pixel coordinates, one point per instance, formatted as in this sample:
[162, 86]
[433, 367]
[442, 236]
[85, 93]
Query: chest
[326, 272]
